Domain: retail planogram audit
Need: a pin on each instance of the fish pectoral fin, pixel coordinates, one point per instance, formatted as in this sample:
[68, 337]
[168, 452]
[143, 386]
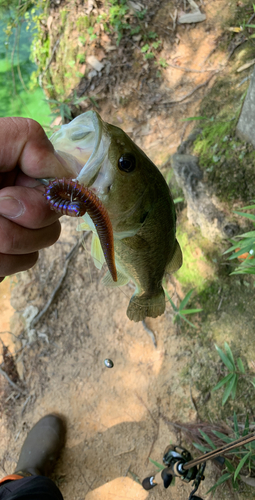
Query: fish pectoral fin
[176, 260]
[122, 280]
[136, 242]
[142, 306]
[97, 252]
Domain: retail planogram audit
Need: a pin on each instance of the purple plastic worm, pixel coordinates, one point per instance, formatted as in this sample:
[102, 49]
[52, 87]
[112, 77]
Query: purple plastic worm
[71, 198]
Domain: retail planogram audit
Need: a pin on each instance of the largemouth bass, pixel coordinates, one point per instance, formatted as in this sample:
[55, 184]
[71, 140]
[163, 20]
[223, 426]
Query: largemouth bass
[103, 158]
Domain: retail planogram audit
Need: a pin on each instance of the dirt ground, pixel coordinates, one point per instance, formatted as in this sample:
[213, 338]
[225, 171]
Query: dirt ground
[116, 418]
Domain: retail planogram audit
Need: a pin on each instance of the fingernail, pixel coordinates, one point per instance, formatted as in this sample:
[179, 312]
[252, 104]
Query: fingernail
[10, 207]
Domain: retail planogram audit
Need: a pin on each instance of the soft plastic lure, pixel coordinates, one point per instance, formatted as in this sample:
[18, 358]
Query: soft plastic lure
[71, 198]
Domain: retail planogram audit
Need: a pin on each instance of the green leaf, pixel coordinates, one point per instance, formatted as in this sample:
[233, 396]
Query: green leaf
[190, 311]
[202, 448]
[237, 433]
[233, 392]
[186, 299]
[249, 207]
[145, 48]
[225, 359]
[222, 436]
[207, 439]
[229, 353]
[241, 464]
[171, 302]
[194, 118]
[228, 389]
[187, 321]
[178, 200]
[253, 381]
[222, 479]
[157, 464]
[230, 466]
[243, 249]
[244, 270]
[248, 216]
[223, 381]
[240, 365]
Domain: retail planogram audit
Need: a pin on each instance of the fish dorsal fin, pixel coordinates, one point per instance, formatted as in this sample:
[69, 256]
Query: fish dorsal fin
[123, 279]
[176, 260]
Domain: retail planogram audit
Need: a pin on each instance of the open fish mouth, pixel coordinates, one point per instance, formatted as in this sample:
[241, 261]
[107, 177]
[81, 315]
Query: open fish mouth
[82, 146]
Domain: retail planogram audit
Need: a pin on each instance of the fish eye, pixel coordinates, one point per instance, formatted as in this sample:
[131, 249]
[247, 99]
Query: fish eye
[127, 163]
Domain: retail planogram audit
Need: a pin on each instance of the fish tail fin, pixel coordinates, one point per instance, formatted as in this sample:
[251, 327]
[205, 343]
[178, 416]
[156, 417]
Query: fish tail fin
[142, 306]
[176, 260]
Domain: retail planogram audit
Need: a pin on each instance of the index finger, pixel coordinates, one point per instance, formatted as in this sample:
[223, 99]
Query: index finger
[24, 142]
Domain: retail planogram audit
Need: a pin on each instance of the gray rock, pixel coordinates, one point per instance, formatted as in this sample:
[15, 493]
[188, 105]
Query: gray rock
[203, 208]
[193, 17]
[245, 129]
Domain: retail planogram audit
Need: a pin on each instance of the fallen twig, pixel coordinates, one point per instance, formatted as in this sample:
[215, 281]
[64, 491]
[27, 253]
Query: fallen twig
[150, 332]
[56, 289]
[14, 386]
[189, 70]
[191, 92]
[140, 399]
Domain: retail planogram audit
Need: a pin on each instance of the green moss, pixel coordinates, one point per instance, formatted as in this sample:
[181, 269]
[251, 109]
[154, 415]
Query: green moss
[196, 268]
[83, 23]
[63, 16]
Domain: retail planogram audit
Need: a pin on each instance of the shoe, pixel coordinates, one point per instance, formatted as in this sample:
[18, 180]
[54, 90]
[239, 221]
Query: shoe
[42, 447]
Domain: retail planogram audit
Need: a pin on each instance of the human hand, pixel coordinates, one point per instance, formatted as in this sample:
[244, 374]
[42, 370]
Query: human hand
[26, 222]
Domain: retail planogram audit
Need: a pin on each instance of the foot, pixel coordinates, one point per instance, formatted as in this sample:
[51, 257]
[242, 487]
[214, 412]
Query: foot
[42, 447]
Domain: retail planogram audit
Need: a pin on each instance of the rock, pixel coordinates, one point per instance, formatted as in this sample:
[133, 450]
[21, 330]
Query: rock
[192, 17]
[245, 129]
[203, 209]
[95, 63]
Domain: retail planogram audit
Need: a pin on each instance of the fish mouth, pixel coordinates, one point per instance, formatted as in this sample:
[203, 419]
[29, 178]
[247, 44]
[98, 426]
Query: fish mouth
[82, 146]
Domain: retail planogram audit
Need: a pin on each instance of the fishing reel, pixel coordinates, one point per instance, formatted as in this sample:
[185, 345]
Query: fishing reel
[179, 463]
[175, 458]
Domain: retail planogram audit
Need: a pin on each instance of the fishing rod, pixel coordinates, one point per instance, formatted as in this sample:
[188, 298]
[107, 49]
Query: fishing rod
[179, 463]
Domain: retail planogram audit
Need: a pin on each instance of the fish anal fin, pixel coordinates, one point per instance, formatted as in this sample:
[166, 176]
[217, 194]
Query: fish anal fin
[176, 260]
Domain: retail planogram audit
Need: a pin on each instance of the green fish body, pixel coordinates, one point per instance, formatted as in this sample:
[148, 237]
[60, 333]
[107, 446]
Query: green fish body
[138, 201]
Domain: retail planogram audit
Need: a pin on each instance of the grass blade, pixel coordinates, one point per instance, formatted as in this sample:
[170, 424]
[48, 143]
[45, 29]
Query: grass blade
[229, 353]
[237, 434]
[223, 381]
[202, 448]
[187, 321]
[233, 392]
[229, 465]
[190, 311]
[228, 389]
[207, 439]
[240, 365]
[241, 464]
[222, 436]
[222, 479]
[186, 299]
[248, 216]
[225, 359]
[157, 464]
[246, 426]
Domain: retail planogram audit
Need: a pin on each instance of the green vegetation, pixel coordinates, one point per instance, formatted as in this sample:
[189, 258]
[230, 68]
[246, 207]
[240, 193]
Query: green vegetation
[234, 375]
[180, 312]
[241, 457]
[16, 96]
[244, 247]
